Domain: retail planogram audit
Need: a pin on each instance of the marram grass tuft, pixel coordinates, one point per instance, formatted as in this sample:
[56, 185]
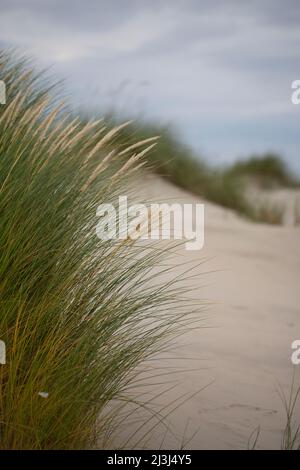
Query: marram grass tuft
[77, 314]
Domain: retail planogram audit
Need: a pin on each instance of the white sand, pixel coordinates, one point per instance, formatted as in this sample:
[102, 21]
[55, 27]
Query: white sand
[244, 355]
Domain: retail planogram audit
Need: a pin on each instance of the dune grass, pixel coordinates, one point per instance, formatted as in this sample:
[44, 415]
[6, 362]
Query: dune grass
[297, 212]
[290, 439]
[177, 163]
[77, 314]
[291, 433]
[270, 212]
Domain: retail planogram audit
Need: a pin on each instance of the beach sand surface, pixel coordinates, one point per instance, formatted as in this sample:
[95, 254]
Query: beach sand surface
[221, 381]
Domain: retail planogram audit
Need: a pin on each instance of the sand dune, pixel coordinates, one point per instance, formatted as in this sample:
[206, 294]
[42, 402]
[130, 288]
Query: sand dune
[251, 280]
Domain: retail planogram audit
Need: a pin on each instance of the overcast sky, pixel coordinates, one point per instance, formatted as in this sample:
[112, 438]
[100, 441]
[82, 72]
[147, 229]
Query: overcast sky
[220, 71]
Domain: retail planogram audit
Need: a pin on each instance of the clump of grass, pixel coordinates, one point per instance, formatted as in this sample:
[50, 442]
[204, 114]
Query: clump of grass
[77, 314]
[227, 187]
[270, 213]
[266, 171]
[297, 212]
[291, 434]
[177, 163]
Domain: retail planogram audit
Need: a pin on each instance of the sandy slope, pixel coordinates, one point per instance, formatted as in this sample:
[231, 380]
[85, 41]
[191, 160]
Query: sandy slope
[251, 277]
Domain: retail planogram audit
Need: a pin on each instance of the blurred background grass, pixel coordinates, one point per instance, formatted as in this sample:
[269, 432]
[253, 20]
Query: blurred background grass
[79, 315]
[226, 186]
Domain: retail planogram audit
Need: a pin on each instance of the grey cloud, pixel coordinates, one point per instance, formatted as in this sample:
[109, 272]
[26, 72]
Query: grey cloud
[206, 61]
